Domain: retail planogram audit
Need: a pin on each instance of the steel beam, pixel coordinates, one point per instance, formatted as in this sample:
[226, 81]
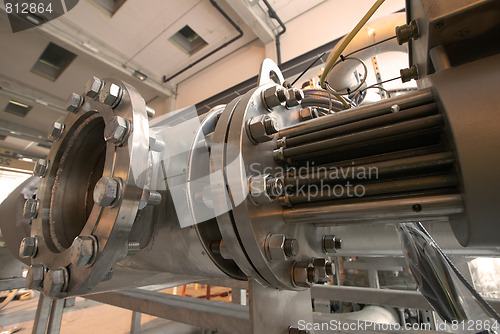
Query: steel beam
[219, 316]
[384, 297]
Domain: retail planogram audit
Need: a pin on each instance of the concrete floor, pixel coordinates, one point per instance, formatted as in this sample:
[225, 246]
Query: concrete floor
[88, 316]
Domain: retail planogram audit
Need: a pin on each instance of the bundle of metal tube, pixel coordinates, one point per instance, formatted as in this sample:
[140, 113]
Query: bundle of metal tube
[320, 98]
[387, 160]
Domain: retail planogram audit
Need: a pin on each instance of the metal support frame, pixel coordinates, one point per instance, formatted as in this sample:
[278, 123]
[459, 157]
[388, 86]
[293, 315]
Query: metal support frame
[135, 326]
[12, 283]
[384, 297]
[220, 316]
[224, 317]
[48, 315]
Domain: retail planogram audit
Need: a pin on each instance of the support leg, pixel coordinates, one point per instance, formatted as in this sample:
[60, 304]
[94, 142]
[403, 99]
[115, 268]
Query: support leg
[135, 327]
[56, 313]
[42, 315]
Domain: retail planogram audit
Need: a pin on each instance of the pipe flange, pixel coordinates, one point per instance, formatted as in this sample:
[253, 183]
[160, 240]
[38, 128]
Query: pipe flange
[79, 158]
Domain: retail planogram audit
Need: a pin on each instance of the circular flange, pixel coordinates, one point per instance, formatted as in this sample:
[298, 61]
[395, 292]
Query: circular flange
[246, 226]
[80, 158]
[198, 170]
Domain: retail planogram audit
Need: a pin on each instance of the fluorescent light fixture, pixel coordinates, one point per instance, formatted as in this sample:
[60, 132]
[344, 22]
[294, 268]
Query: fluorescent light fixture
[17, 108]
[139, 75]
[188, 40]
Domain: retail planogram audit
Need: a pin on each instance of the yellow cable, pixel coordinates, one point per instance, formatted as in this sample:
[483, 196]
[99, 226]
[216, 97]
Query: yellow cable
[347, 40]
[337, 96]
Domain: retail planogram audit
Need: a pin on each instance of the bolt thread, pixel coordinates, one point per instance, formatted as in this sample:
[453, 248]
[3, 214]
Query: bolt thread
[281, 93]
[338, 243]
[329, 268]
[215, 247]
[154, 198]
[270, 126]
[290, 247]
[150, 111]
[299, 94]
[133, 247]
[274, 187]
[312, 275]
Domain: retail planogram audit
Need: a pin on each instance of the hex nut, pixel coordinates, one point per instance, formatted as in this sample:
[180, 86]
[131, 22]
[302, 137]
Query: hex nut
[40, 168]
[83, 250]
[261, 129]
[108, 276]
[308, 113]
[56, 131]
[55, 282]
[74, 103]
[117, 130]
[150, 112]
[330, 268]
[295, 95]
[279, 248]
[407, 74]
[93, 87]
[219, 247]
[295, 330]
[299, 94]
[264, 188]
[325, 268]
[110, 94]
[28, 247]
[407, 32]
[34, 276]
[274, 96]
[107, 191]
[331, 243]
[304, 274]
[30, 209]
[149, 197]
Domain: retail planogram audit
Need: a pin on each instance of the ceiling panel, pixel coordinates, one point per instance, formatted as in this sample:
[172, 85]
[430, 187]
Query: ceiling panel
[166, 58]
[37, 118]
[133, 26]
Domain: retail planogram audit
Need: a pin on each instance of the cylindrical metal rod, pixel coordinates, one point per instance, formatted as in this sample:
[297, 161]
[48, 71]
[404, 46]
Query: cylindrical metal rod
[371, 171]
[365, 160]
[386, 131]
[407, 101]
[404, 115]
[380, 210]
[324, 192]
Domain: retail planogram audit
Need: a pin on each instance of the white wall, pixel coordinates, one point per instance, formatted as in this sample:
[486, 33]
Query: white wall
[227, 72]
[320, 25]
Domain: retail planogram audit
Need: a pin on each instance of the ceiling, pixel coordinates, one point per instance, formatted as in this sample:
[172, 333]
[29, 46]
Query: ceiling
[136, 37]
